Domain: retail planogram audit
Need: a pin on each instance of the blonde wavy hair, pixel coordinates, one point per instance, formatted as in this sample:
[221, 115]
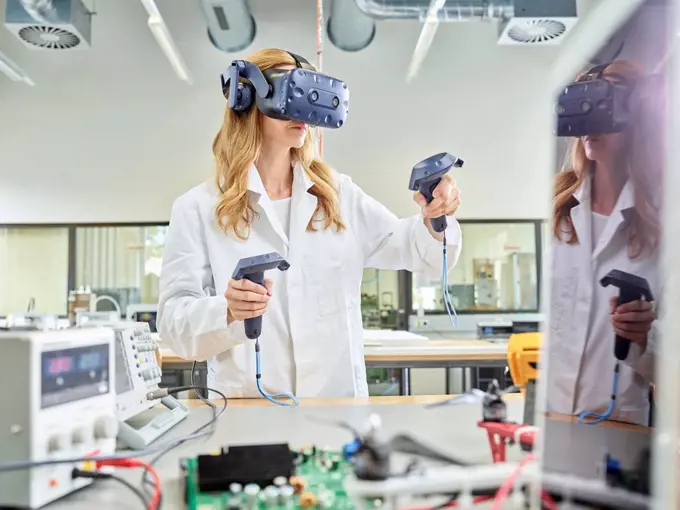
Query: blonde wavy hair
[237, 146]
[643, 162]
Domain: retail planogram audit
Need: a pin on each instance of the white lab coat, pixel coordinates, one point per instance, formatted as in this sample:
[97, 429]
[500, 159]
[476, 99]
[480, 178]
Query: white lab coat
[581, 337]
[324, 282]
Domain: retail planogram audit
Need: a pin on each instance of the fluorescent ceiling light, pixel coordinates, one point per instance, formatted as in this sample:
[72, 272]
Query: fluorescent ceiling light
[160, 32]
[13, 71]
[164, 39]
[425, 39]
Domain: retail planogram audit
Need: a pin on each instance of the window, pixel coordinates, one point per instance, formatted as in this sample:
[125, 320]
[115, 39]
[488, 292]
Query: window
[34, 267]
[497, 271]
[380, 299]
[123, 262]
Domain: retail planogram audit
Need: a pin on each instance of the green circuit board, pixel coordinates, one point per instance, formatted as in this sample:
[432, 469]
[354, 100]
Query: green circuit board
[323, 476]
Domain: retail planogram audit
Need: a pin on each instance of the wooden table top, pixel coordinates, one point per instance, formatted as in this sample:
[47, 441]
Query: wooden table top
[606, 424]
[412, 350]
[319, 402]
[397, 400]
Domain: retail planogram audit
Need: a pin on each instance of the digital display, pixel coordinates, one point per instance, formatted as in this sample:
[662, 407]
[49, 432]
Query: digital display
[59, 365]
[74, 374]
[149, 318]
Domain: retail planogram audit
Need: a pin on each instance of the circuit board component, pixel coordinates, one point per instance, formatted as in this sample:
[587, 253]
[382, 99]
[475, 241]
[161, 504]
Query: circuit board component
[267, 477]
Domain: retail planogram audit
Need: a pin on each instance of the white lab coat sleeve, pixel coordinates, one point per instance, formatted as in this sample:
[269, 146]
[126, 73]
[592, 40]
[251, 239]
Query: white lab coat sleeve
[192, 320]
[389, 242]
[643, 362]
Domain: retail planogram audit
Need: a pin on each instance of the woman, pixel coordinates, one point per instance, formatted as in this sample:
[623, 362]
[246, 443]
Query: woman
[271, 194]
[605, 217]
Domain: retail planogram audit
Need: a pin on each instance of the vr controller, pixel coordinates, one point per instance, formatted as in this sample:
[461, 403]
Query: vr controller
[427, 174]
[593, 106]
[301, 94]
[631, 288]
[253, 268]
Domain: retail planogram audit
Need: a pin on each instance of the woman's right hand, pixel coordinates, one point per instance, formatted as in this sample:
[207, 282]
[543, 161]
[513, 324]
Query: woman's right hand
[246, 299]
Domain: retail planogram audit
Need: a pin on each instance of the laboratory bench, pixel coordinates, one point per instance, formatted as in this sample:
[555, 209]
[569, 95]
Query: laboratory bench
[485, 359]
[252, 421]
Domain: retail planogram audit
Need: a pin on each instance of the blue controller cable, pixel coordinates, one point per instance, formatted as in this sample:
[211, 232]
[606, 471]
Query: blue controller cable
[599, 418]
[274, 399]
[448, 303]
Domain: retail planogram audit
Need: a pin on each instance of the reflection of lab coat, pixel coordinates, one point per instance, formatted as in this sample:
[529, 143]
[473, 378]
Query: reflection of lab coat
[324, 282]
[581, 339]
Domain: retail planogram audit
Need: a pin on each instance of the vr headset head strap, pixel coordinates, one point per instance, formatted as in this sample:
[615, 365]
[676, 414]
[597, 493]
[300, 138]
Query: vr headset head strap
[597, 73]
[301, 62]
[247, 70]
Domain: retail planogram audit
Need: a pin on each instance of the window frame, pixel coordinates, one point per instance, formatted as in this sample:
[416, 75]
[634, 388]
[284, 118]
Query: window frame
[72, 247]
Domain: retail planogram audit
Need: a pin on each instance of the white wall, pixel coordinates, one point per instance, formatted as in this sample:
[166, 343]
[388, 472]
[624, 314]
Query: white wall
[110, 134]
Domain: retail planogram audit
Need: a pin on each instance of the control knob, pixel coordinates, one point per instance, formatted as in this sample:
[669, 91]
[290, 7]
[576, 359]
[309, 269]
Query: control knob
[82, 435]
[105, 427]
[58, 442]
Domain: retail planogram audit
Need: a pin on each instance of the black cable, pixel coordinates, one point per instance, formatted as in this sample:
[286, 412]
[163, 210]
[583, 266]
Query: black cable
[99, 476]
[160, 447]
[199, 432]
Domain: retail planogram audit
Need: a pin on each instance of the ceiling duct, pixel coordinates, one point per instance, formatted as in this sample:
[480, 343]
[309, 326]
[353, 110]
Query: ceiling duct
[231, 27]
[522, 22]
[49, 24]
[348, 28]
[452, 11]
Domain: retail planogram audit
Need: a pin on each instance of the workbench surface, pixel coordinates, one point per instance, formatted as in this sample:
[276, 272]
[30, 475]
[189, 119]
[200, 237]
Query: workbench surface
[451, 428]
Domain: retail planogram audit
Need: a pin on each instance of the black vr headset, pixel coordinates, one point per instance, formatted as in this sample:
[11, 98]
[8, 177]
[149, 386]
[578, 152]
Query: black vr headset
[301, 94]
[594, 105]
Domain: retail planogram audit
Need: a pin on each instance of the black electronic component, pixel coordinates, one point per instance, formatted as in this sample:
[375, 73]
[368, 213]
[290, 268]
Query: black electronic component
[258, 464]
[631, 288]
[493, 406]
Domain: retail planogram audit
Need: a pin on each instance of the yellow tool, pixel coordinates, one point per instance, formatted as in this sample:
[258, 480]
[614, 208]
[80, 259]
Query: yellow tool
[523, 353]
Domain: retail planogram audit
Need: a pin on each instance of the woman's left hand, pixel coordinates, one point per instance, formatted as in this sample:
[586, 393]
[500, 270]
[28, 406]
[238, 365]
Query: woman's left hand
[633, 321]
[445, 202]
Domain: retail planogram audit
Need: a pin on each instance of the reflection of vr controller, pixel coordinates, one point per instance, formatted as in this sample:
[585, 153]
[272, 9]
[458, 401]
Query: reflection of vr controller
[631, 288]
[426, 175]
[253, 268]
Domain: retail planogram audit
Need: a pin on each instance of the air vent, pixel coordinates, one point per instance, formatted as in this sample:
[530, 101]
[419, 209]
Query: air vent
[538, 22]
[67, 27]
[49, 37]
[536, 31]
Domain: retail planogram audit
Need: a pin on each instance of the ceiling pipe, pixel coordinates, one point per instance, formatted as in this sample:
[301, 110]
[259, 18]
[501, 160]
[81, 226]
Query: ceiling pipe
[42, 11]
[231, 26]
[348, 28]
[451, 12]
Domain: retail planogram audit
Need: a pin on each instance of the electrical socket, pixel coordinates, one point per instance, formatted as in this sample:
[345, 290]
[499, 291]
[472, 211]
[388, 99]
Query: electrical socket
[422, 323]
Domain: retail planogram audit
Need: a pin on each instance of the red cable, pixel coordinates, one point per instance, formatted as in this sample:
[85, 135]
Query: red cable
[134, 463]
[507, 486]
[452, 504]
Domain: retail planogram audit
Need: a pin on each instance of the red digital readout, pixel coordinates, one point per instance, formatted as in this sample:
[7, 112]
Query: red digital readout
[60, 365]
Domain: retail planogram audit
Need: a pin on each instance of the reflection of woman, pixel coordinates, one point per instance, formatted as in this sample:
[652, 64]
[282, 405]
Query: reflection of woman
[606, 216]
[273, 194]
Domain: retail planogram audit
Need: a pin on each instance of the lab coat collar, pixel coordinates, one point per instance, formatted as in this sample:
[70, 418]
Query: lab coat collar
[301, 180]
[302, 206]
[625, 201]
[581, 216]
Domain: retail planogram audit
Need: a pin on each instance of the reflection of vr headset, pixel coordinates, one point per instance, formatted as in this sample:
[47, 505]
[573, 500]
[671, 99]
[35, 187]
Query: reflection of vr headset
[299, 94]
[593, 106]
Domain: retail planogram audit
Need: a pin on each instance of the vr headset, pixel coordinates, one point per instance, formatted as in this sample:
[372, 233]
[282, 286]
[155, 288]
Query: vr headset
[301, 94]
[594, 106]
